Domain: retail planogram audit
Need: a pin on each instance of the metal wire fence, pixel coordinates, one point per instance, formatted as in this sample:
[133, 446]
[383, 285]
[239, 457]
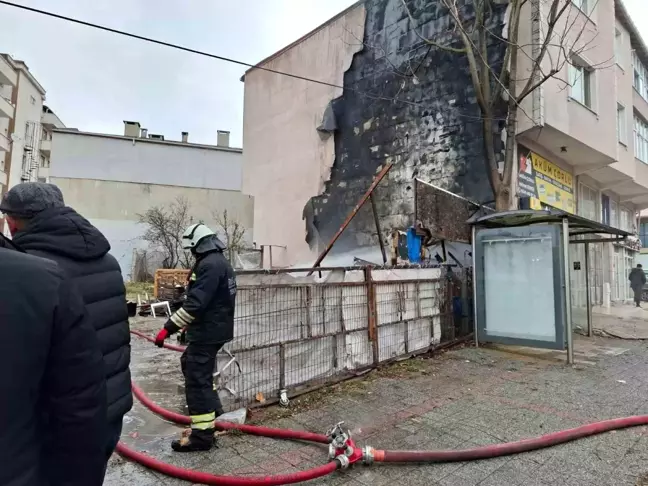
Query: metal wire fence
[300, 336]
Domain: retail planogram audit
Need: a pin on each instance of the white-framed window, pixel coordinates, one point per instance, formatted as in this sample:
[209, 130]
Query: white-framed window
[626, 223]
[641, 139]
[614, 214]
[580, 80]
[584, 5]
[622, 135]
[618, 45]
[640, 76]
[587, 203]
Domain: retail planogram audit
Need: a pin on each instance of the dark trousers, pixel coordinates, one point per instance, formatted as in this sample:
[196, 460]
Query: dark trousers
[198, 364]
[114, 435]
[637, 294]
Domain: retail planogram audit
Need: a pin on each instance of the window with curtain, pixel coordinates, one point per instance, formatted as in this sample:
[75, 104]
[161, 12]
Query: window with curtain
[640, 76]
[641, 139]
[580, 79]
[587, 202]
[614, 214]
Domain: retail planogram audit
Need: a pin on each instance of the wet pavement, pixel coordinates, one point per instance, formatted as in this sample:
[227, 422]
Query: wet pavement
[458, 399]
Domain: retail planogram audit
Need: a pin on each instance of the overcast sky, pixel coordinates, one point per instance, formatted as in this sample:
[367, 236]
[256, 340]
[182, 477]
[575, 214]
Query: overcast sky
[95, 80]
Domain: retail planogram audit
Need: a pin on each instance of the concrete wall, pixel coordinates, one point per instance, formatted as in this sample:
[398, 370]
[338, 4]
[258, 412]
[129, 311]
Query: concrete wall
[286, 161]
[427, 125]
[110, 158]
[114, 208]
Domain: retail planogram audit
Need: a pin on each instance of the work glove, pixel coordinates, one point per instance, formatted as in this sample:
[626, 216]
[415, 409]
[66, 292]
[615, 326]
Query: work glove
[169, 328]
[161, 337]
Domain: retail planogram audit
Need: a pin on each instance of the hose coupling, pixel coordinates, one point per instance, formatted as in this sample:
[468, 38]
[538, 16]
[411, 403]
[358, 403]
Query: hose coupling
[343, 461]
[338, 436]
[367, 455]
[332, 453]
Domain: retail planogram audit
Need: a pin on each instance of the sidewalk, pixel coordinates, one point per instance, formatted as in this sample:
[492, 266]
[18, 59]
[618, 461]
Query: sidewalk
[459, 399]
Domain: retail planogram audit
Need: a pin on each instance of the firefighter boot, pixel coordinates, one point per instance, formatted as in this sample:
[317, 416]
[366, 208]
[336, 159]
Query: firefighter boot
[195, 440]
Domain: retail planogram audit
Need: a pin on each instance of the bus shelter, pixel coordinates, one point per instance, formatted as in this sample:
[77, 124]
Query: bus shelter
[521, 275]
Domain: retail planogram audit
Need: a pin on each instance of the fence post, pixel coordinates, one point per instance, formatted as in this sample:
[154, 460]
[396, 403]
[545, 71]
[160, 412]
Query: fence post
[371, 313]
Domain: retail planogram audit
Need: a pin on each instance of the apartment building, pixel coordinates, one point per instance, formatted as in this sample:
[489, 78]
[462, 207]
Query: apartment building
[26, 125]
[589, 122]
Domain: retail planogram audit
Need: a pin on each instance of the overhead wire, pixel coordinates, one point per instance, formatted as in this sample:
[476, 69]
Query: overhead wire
[218, 57]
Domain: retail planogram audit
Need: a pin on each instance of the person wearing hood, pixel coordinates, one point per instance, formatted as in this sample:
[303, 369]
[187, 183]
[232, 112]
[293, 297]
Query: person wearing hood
[43, 226]
[637, 279]
[208, 317]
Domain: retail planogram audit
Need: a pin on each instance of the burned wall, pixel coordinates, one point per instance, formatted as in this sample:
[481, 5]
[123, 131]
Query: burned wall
[411, 104]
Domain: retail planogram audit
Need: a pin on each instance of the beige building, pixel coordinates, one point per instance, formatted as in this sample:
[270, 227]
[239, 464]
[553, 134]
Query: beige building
[590, 120]
[587, 126]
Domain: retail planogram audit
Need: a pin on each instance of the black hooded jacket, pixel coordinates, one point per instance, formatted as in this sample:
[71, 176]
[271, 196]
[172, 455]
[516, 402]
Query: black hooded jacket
[52, 388]
[208, 311]
[63, 235]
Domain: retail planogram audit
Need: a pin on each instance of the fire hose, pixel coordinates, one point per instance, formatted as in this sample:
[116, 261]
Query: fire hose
[343, 451]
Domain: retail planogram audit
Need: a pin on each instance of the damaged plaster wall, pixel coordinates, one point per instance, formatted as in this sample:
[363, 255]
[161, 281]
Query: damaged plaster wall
[286, 159]
[421, 115]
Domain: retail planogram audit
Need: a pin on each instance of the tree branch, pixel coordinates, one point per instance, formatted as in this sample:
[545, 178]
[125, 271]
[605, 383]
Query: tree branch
[425, 39]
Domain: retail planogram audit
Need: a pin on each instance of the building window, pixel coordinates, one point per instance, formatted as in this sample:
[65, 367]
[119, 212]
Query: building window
[32, 100]
[587, 203]
[618, 46]
[580, 79]
[627, 223]
[614, 214]
[643, 234]
[583, 5]
[621, 124]
[640, 79]
[641, 139]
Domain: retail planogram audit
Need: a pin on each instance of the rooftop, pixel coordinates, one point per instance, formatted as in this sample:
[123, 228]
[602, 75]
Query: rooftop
[76, 131]
[637, 41]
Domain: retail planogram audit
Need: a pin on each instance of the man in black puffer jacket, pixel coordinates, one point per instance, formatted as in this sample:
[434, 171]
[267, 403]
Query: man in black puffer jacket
[42, 225]
[52, 385]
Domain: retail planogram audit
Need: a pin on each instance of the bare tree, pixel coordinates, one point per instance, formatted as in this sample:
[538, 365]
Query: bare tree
[555, 42]
[232, 231]
[164, 228]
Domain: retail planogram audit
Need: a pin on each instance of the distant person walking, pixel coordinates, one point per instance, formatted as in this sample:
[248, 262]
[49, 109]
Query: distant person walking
[637, 281]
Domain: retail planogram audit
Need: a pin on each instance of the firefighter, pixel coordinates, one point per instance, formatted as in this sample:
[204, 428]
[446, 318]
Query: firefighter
[207, 315]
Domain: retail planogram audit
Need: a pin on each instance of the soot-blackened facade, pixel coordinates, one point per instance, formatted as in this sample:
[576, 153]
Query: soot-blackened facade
[411, 104]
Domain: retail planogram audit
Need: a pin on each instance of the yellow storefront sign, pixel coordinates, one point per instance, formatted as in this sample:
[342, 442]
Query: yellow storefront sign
[544, 183]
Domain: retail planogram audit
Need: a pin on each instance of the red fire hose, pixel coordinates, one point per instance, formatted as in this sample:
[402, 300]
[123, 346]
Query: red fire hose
[246, 429]
[166, 345]
[206, 478]
[509, 448]
[368, 454]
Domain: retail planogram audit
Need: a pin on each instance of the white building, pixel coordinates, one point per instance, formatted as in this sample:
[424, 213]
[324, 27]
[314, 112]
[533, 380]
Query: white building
[112, 179]
[25, 126]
